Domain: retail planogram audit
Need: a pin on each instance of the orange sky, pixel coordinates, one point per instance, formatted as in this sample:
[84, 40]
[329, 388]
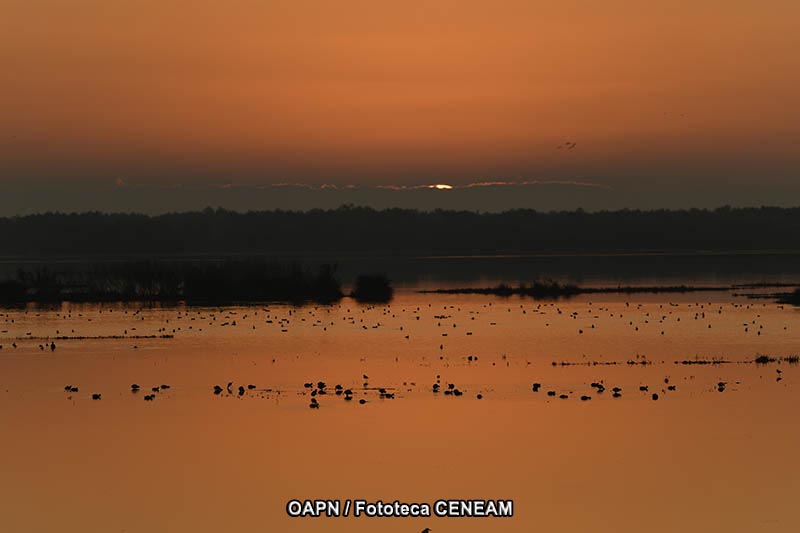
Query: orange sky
[353, 91]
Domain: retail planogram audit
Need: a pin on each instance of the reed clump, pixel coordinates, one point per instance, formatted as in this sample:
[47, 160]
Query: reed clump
[245, 280]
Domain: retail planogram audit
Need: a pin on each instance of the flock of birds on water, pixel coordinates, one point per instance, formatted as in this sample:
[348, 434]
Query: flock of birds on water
[315, 391]
[199, 318]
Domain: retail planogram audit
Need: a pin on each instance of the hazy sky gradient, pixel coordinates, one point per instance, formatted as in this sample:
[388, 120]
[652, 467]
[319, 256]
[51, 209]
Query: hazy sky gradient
[676, 98]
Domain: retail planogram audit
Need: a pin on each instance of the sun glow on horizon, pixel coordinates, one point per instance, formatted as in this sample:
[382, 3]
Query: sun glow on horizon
[441, 187]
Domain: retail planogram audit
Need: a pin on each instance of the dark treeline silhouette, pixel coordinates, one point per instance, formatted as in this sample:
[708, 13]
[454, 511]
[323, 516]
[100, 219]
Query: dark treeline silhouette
[229, 281]
[362, 230]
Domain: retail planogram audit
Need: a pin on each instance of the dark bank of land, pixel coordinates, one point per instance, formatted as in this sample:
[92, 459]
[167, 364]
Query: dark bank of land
[553, 289]
[352, 230]
[258, 280]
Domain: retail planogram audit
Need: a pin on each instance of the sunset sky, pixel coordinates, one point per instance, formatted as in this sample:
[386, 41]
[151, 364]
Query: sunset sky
[108, 104]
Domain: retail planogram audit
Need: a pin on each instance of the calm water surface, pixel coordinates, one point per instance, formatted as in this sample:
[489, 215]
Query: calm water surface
[192, 461]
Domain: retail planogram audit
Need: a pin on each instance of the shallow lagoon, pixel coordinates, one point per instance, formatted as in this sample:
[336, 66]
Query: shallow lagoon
[697, 459]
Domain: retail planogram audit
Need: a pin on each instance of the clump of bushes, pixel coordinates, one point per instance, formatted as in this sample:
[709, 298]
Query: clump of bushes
[792, 298]
[375, 288]
[765, 359]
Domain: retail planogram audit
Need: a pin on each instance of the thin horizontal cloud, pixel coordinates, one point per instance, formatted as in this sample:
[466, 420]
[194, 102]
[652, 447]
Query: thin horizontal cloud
[442, 186]
[534, 182]
[362, 187]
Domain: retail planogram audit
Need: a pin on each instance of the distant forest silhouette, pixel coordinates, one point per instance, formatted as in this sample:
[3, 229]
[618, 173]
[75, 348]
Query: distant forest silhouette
[363, 230]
